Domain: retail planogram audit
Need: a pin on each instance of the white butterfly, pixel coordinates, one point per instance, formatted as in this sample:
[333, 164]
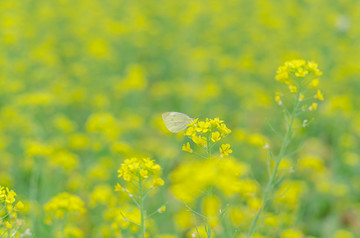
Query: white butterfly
[176, 121]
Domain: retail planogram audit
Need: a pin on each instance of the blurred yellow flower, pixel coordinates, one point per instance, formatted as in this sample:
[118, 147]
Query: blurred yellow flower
[343, 234]
[319, 95]
[64, 204]
[225, 150]
[187, 148]
[291, 233]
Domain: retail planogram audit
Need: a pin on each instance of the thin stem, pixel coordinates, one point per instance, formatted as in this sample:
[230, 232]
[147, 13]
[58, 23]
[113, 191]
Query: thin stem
[281, 194]
[8, 214]
[272, 179]
[195, 212]
[268, 163]
[208, 232]
[155, 212]
[273, 129]
[132, 197]
[135, 185]
[208, 145]
[142, 211]
[125, 219]
[211, 186]
[3, 206]
[147, 192]
[202, 156]
[35, 179]
[198, 231]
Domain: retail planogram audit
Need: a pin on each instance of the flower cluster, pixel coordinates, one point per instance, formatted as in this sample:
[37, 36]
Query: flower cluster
[191, 178]
[294, 74]
[140, 169]
[142, 175]
[8, 211]
[64, 204]
[207, 133]
[63, 129]
[300, 75]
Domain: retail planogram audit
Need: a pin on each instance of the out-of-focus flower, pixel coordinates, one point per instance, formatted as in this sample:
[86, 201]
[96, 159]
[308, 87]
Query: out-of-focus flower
[136, 169]
[64, 204]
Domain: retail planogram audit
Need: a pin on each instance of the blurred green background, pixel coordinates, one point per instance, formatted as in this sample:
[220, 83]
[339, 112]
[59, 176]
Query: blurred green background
[83, 85]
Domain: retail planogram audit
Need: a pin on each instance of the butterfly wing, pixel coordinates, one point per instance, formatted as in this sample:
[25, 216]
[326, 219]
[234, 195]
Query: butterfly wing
[176, 121]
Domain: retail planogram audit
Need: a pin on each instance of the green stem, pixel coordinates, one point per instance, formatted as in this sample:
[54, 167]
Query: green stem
[272, 179]
[35, 179]
[142, 210]
[208, 144]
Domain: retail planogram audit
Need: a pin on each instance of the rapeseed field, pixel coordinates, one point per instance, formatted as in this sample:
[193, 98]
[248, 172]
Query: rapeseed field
[179, 118]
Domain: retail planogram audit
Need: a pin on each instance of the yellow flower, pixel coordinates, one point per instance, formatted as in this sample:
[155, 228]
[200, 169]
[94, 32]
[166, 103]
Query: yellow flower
[293, 89]
[144, 173]
[10, 197]
[282, 74]
[73, 232]
[9, 210]
[294, 72]
[225, 150]
[314, 83]
[183, 220]
[101, 194]
[64, 203]
[140, 169]
[216, 122]
[202, 127]
[301, 97]
[200, 131]
[187, 148]
[118, 188]
[343, 234]
[291, 233]
[215, 136]
[199, 140]
[158, 182]
[313, 107]
[224, 130]
[313, 67]
[190, 131]
[162, 209]
[278, 98]
[167, 236]
[8, 226]
[190, 178]
[319, 95]
[19, 206]
[312, 164]
[257, 140]
[301, 72]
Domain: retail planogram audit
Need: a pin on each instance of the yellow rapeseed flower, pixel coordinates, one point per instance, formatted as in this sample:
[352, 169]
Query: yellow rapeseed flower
[140, 169]
[64, 204]
[215, 136]
[198, 131]
[187, 148]
[9, 221]
[225, 150]
[293, 89]
[297, 73]
[319, 95]
[278, 98]
[313, 107]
